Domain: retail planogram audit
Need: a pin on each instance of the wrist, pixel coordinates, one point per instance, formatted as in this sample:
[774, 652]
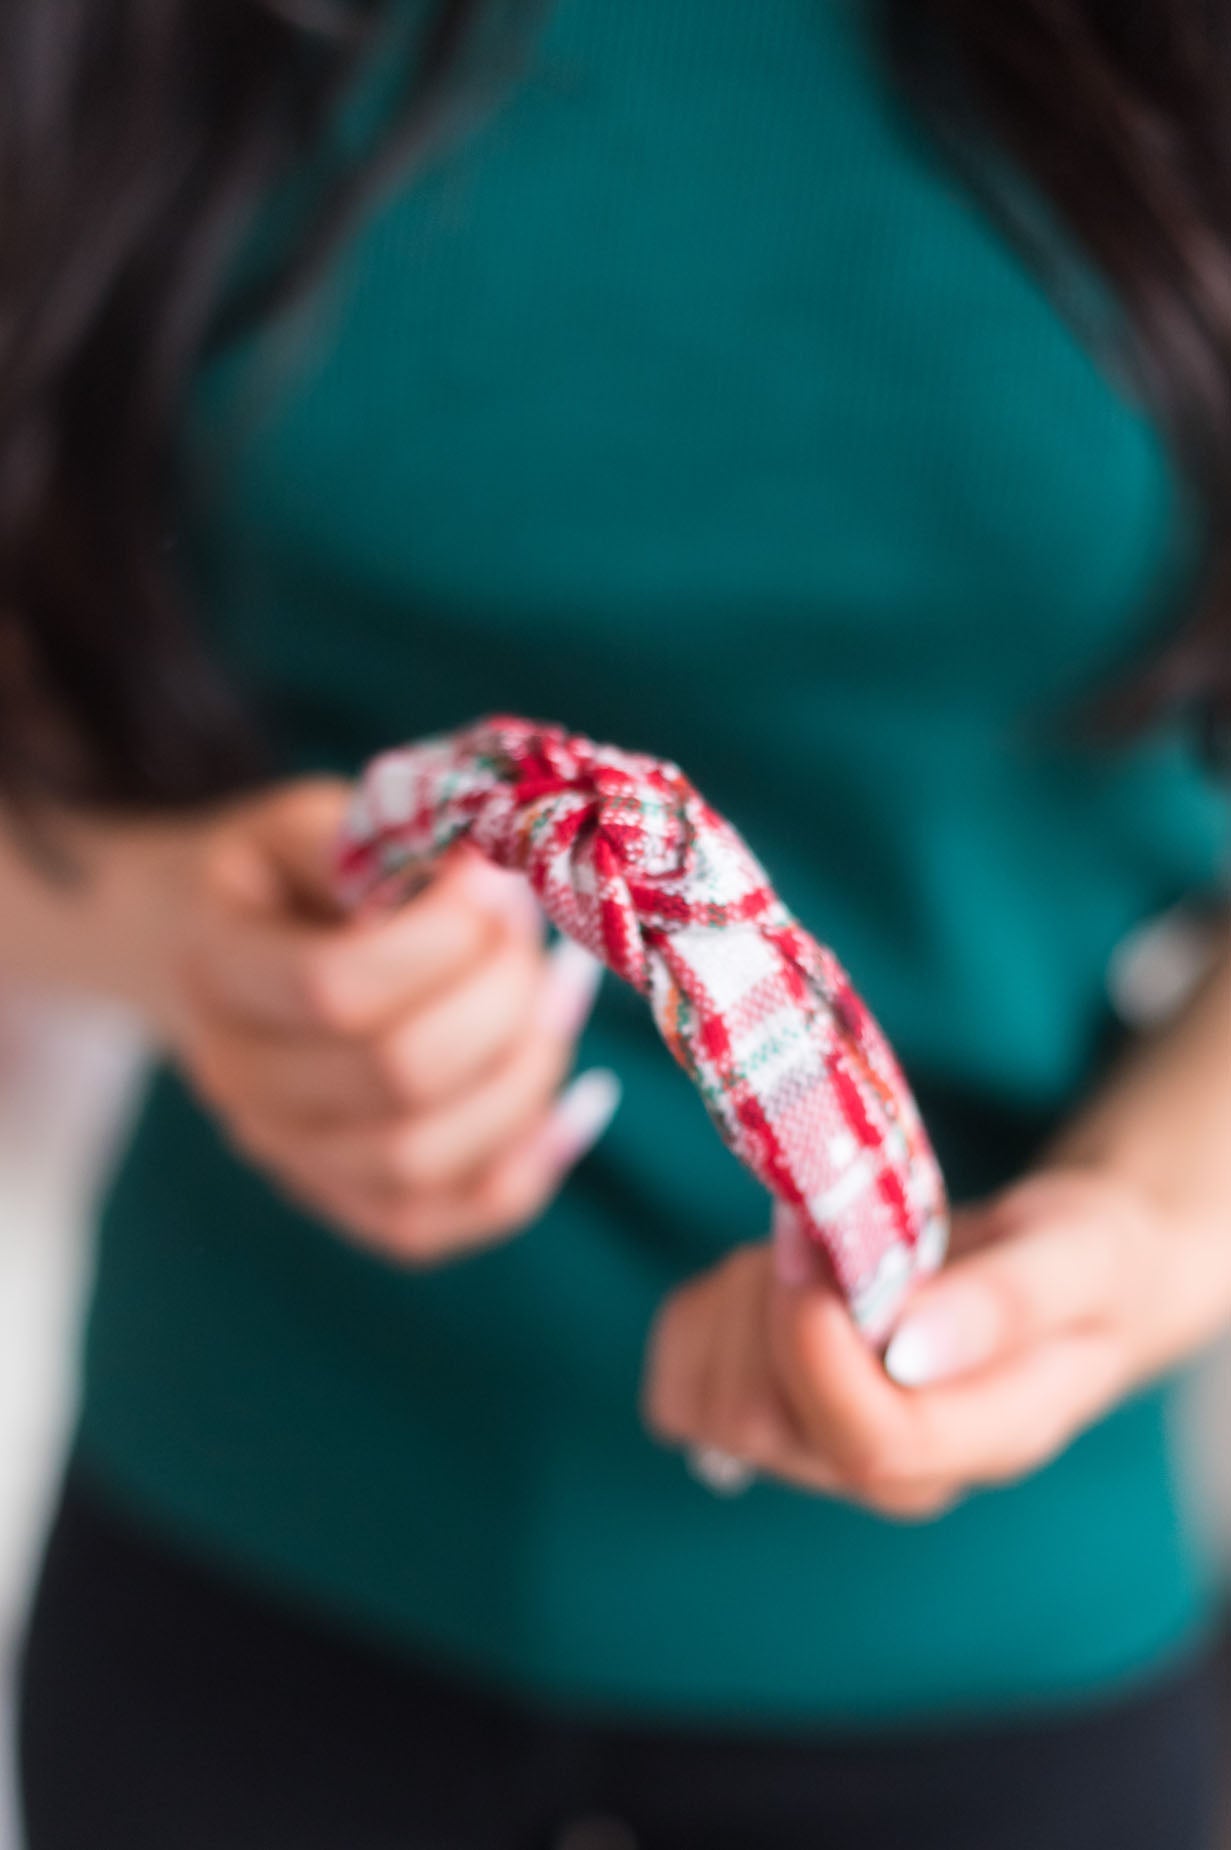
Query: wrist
[1183, 1257]
[136, 882]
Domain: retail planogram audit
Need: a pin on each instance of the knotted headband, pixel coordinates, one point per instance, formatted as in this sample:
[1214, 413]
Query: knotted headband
[626, 857]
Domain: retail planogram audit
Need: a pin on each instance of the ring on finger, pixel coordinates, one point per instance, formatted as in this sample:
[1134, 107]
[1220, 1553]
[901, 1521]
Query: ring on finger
[722, 1472]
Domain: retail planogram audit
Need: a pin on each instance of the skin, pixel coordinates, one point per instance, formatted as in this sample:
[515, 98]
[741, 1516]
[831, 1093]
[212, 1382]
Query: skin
[1103, 1268]
[400, 1077]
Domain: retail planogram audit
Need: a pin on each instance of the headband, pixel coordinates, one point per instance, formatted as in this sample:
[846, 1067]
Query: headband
[626, 857]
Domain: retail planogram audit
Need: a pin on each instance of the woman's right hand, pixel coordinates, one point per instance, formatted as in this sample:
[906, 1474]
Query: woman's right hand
[397, 1076]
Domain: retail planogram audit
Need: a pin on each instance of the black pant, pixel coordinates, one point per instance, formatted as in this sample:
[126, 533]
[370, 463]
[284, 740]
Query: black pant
[165, 1708]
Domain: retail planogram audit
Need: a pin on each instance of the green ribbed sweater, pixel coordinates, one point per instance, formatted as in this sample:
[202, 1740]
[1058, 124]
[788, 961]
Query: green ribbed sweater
[689, 402]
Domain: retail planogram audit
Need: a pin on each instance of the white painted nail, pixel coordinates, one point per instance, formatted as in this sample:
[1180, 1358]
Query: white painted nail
[569, 988]
[582, 1113]
[956, 1333]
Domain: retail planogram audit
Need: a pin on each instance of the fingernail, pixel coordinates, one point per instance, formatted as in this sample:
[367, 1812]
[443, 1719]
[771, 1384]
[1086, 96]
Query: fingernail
[946, 1338]
[569, 988]
[794, 1261]
[582, 1113]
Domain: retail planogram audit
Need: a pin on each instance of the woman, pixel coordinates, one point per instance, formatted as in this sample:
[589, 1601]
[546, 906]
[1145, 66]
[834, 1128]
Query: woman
[838, 402]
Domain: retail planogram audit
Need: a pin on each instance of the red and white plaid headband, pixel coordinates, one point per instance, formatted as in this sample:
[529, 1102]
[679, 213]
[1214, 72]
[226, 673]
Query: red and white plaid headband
[627, 858]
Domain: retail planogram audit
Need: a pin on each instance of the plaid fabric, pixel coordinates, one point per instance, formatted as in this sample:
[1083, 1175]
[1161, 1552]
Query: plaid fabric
[627, 858]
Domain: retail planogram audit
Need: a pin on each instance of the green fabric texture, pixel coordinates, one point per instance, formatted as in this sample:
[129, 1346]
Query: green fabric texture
[689, 402]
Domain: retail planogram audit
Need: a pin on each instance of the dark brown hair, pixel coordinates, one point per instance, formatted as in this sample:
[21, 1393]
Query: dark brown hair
[137, 138]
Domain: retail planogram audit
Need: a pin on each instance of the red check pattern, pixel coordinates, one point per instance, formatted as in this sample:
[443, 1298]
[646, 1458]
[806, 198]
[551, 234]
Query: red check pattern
[627, 857]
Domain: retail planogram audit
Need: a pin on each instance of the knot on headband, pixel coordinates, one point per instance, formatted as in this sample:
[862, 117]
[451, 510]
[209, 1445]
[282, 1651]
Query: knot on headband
[626, 857]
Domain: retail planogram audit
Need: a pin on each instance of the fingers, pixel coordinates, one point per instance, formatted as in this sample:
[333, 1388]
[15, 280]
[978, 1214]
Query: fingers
[842, 1403]
[476, 1166]
[1055, 1254]
[729, 1367]
[397, 1072]
[418, 1062]
[746, 1413]
[281, 971]
[678, 1363]
[442, 1148]
[1051, 1363]
[276, 854]
[1001, 1424]
[709, 1379]
[424, 1228]
[783, 1378]
[456, 1038]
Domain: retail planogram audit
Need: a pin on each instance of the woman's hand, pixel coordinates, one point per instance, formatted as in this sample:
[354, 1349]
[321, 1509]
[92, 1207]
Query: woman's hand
[1066, 1292]
[398, 1076]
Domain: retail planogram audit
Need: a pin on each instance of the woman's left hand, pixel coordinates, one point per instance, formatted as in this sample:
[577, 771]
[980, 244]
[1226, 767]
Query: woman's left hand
[1065, 1293]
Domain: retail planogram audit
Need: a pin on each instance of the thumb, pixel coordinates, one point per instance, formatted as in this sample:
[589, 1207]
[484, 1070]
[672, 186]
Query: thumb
[829, 1375]
[1039, 1260]
[277, 854]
